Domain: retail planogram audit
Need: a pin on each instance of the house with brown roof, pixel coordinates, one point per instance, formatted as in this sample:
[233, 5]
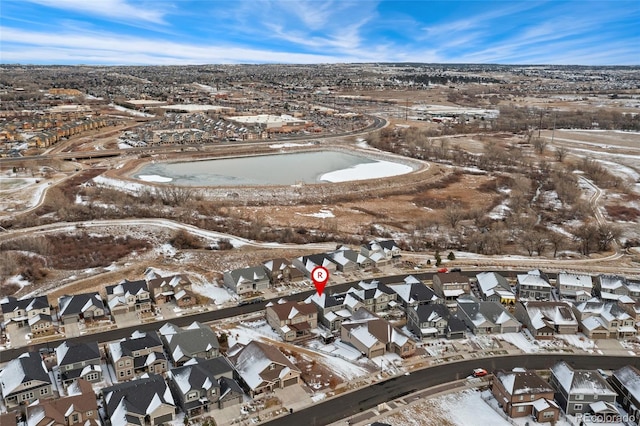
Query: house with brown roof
[292, 320]
[525, 393]
[79, 407]
[262, 368]
[450, 286]
[374, 336]
[282, 270]
[176, 288]
[546, 319]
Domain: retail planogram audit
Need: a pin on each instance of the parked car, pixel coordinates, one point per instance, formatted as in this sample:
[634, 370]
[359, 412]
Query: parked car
[479, 372]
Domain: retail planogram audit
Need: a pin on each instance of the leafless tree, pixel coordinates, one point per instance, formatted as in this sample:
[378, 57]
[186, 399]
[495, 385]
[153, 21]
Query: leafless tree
[453, 213]
[587, 237]
[561, 153]
[176, 195]
[606, 234]
[539, 144]
[557, 241]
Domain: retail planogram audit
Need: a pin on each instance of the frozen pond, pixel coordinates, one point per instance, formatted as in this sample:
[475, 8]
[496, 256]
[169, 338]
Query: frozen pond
[277, 169]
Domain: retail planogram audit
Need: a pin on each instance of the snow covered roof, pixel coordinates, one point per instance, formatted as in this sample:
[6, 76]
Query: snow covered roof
[523, 382]
[584, 382]
[27, 367]
[140, 397]
[578, 281]
[362, 334]
[530, 279]
[252, 362]
[629, 378]
[544, 314]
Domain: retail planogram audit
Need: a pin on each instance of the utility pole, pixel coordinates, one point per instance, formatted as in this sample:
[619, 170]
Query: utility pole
[553, 132]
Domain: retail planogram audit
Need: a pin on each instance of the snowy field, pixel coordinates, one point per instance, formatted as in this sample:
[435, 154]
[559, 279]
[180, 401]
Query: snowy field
[466, 408]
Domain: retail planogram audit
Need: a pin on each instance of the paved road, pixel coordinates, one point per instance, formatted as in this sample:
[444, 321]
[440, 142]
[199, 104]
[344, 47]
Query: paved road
[363, 399]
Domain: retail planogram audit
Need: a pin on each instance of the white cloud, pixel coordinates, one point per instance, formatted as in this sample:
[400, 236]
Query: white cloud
[118, 10]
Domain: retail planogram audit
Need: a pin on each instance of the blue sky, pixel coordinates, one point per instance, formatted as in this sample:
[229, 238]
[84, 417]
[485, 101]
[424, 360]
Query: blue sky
[297, 31]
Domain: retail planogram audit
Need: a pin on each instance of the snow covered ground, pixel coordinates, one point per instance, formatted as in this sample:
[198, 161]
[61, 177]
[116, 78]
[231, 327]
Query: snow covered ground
[219, 295]
[155, 178]
[379, 169]
[466, 408]
[322, 214]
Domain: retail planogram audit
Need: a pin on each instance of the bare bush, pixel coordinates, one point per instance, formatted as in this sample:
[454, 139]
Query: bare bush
[184, 240]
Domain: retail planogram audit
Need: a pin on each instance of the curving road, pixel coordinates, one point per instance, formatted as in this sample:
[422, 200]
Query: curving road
[363, 399]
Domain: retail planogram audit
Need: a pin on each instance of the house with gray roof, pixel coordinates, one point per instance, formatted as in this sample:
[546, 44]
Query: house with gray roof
[450, 285]
[79, 361]
[434, 320]
[84, 306]
[534, 285]
[604, 319]
[280, 269]
[129, 296]
[493, 287]
[195, 341]
[412, 292]
[197, 385]
[381, 251]
[576, 287]
[139, 354]
[17, 312]
[247, 280]
[24, 380]
[486, 317]
[626, 382]
[308, 263]
[610, 287]
[581, 391]
[146, 402]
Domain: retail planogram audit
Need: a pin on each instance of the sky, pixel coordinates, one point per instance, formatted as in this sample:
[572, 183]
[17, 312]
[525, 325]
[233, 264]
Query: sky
[179, 32]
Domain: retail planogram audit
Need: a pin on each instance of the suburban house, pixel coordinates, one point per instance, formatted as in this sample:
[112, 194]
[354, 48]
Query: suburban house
[129, 296]
[546, 319]
[381, 251]
[78, 407]
[17, 312]
[494, 287]
[346, 258]
[626, 382]
[247, 280]
[292, 320]
[374, 336]
[374, 295]
[41, 325]
[450, 286]
[581, 391]
[146, 402]
[308, 263]
[413, 292]
[79, 361]
[630, 306]
[24, 380]
[141, 353]
[85, 306]
[534, 285]
[525, 393]
[604, 320]
[280, 269]
[434, 320]
[262, 368]
[196, 387]
[332, 309]
[182, 344]
[577, 287]
[486, 317]
[610, 287]
[176, 288]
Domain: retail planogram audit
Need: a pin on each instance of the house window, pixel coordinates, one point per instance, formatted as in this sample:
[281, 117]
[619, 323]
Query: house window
[89, 413]
[121, 373]
[44, 391]
[595, 396]
[192, 396]
[272, 366]
[75, 418]
[121, 364]
[92, 376]
[577, 407]
[579, 397]
[26, 396]
[521, 397]
[520, 409]
[548, 414]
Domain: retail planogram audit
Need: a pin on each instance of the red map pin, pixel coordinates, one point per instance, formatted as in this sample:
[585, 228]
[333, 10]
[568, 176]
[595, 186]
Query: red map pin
[320, 276]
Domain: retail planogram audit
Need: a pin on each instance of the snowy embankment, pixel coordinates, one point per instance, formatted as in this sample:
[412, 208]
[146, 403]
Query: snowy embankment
[376, 170]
